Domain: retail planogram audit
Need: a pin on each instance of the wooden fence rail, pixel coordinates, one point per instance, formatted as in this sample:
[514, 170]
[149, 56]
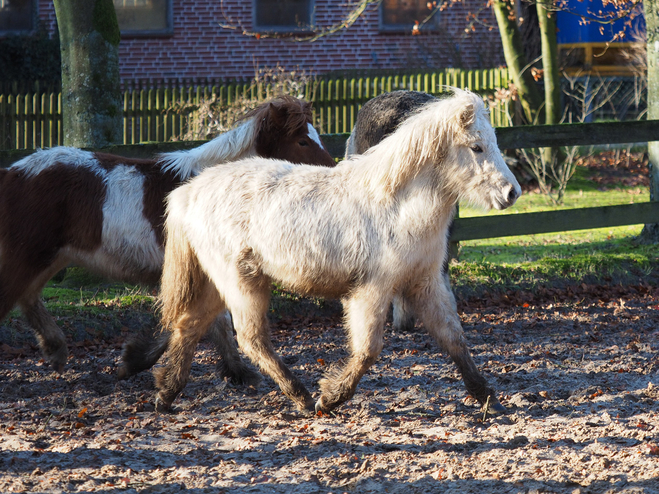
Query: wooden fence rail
[31, 119]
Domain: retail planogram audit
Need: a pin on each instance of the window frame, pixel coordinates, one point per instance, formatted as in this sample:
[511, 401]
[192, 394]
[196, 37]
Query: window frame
[34, 23]
[430, 26]
[144, 33]
[285, 29]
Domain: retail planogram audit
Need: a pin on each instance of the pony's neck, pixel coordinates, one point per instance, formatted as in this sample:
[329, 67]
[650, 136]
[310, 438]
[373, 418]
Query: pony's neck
[389, 167]
[233, 145]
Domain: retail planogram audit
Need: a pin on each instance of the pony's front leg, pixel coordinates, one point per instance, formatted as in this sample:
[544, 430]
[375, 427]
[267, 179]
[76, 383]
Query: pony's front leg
[187, 330]
[435, 304]
[249, 312]
[365, 313]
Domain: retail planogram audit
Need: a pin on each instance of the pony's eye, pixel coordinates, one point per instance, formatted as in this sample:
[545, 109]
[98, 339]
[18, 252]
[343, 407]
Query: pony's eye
[303, 142]
[476, 148]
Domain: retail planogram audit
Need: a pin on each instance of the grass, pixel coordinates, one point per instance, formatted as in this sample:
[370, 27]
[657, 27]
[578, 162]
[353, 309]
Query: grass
[604, 255]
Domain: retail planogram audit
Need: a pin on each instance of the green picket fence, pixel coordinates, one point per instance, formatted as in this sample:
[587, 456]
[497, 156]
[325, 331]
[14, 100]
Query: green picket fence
[161, 112]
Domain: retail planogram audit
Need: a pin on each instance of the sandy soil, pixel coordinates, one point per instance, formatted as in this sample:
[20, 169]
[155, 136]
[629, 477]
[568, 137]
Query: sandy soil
[577, 371]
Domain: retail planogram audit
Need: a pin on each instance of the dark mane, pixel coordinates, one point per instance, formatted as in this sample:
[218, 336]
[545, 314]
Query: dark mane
[291, 114]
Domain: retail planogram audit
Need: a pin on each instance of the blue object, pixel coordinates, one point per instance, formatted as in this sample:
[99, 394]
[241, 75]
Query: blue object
[571, 28]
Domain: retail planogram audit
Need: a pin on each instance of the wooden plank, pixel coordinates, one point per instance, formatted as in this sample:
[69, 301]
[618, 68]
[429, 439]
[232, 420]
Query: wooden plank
[566, 220]
[335, 144]
[577, 134]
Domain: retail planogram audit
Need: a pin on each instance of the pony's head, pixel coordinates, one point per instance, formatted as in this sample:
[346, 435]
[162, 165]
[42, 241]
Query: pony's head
[450, 144]
[478, 170]
[284, 131]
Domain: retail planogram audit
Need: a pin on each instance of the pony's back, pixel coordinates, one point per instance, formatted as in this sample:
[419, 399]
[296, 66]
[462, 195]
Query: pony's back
[381, 116]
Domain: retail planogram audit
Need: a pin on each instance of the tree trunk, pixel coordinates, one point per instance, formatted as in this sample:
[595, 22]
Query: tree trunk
[650, 233]
[551, 76]
[513, 51]
[91, 96]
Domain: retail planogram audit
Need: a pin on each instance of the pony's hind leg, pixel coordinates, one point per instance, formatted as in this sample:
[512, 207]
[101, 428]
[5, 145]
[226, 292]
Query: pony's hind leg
[50, 337]
[365, 313]
[435, 304]
[231, 366]
[249, 311]
[143, 351]
[187, 330]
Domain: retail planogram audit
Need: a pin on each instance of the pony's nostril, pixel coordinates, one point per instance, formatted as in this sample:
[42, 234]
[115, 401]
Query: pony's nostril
[512, 195]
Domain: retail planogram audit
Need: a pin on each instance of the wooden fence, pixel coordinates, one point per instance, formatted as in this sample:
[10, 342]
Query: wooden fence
[33, 119]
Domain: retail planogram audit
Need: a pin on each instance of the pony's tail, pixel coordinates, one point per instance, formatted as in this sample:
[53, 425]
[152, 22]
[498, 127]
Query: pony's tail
[181, 274]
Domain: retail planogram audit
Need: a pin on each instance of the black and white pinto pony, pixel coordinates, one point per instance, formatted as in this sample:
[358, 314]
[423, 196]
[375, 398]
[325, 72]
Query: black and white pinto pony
[378, 118]
[368, 229]
[66, 206]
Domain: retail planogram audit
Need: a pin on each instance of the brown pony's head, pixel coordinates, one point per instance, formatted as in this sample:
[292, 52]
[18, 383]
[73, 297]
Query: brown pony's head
[284, 131]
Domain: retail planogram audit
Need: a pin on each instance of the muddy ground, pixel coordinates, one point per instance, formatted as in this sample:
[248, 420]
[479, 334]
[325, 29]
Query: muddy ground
[577, 370]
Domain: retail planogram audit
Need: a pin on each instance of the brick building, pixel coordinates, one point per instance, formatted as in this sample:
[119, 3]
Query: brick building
[185, 39]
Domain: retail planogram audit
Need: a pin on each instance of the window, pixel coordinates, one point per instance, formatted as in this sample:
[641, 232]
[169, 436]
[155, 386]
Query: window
[283, 15]
[402, 15]
[144, 17]
[17, 15]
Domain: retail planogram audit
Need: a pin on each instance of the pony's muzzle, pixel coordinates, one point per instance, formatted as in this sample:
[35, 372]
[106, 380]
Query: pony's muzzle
[509, 194]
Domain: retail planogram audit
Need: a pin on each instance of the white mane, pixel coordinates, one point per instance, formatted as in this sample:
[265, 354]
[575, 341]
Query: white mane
[420, 140]
[230, 146]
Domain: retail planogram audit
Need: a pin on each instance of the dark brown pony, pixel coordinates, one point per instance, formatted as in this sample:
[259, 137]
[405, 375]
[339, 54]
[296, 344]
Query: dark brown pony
[65, 206]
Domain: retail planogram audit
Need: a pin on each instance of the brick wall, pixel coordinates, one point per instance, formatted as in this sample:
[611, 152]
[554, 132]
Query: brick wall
[199, 47]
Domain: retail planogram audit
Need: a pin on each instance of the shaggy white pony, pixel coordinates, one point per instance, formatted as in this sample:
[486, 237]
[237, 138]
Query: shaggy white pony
[372, 227]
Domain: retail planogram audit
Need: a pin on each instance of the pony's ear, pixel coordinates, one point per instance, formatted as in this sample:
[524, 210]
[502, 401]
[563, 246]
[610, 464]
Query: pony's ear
[467, 116]
[277, 115]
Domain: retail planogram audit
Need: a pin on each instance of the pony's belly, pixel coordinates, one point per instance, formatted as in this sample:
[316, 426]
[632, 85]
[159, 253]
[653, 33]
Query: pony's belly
[308, 279]
[134, 267]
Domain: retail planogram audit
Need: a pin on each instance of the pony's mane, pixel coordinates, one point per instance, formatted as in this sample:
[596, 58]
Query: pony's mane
[239, 142]
[421, 139]
[298, 114]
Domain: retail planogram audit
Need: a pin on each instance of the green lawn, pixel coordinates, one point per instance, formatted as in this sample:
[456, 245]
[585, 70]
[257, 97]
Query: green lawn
[600, 255]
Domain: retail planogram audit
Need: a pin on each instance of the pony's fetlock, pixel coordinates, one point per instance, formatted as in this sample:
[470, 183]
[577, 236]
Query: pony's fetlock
[168, 388]
[141, 353]
[238, 373]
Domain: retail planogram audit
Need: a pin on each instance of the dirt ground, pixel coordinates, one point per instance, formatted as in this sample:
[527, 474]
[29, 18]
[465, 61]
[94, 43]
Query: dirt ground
[577, 370]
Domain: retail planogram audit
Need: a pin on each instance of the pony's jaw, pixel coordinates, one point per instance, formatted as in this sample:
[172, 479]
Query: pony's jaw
[489, 183]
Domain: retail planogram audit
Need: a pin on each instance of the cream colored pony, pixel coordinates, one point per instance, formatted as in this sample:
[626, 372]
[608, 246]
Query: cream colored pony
[368, 229]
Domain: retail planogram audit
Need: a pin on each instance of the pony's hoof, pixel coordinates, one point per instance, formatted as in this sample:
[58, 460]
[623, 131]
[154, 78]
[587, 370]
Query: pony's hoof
[320, 407]
[123, 372]
[404, 326]
[58, 360]
[495, 407]
[162, 407]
